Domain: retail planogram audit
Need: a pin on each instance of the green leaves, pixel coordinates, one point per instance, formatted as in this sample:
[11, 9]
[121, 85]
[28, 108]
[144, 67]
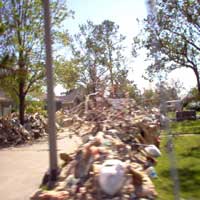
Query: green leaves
[67, 73]
[22, 25]
[171, 36]
[98, 48]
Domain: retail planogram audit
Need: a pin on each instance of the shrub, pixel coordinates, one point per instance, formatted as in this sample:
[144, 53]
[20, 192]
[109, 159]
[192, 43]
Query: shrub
[194, 106]
[35, 106]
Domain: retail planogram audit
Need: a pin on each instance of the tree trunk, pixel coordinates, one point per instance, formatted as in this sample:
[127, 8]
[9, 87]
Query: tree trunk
[93, 78]
[110, 67]
[21, 102]
[113, 93]
[198, 80]
[21, 85]
[111, 77]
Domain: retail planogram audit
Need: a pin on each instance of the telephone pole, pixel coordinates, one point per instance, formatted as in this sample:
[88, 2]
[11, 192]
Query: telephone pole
[53, 170]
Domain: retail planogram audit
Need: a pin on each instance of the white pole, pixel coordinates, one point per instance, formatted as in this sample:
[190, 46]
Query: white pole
[50, 94]
[172, 158]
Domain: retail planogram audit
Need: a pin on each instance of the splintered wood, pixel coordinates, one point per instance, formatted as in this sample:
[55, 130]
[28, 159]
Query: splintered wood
[13, 133]
[115, 134]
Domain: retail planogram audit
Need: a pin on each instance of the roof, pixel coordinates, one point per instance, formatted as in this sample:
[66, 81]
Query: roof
[70, 96]
[73, 94]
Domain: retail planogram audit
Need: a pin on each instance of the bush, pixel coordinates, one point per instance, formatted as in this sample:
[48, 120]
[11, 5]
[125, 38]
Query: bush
[35, 106]
[194, 106]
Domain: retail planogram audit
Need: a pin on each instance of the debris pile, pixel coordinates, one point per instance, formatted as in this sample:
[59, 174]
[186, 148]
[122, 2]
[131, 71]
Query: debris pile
[13, 133]
[116, 159]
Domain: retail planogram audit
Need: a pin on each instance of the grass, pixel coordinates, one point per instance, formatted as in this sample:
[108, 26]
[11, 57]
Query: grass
[186, 127]
[187, 151]
[171, 115]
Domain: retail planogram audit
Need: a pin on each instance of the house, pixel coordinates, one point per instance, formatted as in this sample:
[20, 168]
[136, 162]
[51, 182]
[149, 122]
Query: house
[68, 99]
[174, 105]
[5, 104]
[71, 98]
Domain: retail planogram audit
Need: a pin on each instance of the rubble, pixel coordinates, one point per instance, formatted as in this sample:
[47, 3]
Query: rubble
[116, 158]
[13, 133]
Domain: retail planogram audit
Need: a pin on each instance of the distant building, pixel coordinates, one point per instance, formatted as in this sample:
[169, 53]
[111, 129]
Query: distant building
[69, 99]
[72, 97]
[174, 105]
[5, 104]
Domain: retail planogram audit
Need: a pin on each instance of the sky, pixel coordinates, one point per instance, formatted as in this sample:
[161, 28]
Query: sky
[124, 13]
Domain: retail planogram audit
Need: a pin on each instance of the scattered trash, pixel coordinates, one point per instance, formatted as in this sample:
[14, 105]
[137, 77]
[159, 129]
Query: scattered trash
[116, 158]
[51, 195]
[112, 176]
[13, 133]
[152, 172]
[152, 150]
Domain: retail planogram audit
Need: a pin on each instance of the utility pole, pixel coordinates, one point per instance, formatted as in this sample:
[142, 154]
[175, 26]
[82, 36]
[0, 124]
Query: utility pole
[170, 146]
[151, 5]
[53, 170]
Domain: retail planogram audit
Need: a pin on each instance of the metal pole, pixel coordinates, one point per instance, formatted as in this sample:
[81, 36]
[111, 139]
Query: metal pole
[50, 94]
[170, 148]
[171, 154]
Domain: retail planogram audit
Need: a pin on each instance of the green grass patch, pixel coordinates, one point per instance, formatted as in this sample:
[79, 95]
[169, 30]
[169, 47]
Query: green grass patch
[186, 127]
[171, 115]
[187, 151]
[163, 183]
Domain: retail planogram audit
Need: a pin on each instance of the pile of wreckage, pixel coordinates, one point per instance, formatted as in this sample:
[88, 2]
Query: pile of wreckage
[117, 156]
[13, 133]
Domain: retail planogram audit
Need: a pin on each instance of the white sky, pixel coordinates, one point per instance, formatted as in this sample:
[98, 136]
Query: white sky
[124, 13]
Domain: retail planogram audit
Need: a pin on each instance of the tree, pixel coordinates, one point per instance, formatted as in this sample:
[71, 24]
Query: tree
[171, 36]
[23, 42]
[87, 54]
[163, 91]
[111, 42]
[191, 97]
[67, 73]
[134, 92]
[124, 87]
[4, 70]
[98, 52]
[169, 91]
[150, 97]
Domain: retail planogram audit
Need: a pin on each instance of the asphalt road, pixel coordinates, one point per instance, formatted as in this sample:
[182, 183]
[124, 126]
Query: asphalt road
[22, 168]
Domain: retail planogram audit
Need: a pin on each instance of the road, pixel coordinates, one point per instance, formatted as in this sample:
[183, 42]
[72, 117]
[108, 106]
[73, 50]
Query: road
[22, 168]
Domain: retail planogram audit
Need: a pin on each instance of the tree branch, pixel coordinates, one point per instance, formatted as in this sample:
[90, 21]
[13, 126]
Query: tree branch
[188, 41]
[34, 78]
